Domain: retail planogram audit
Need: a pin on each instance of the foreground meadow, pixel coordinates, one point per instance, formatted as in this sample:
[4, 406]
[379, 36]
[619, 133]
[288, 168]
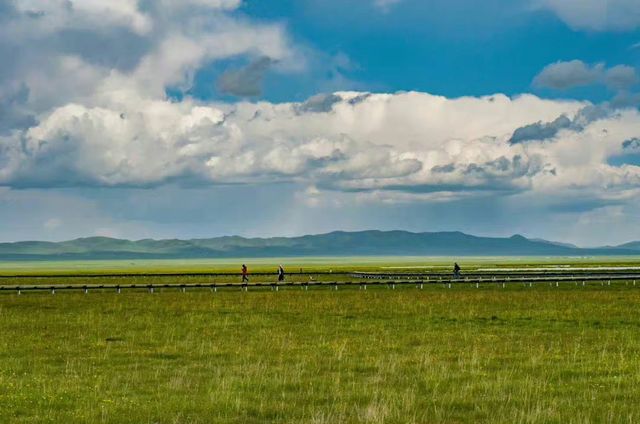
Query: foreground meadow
[515, 355]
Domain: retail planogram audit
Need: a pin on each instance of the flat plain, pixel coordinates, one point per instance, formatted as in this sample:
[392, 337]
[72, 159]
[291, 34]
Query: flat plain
[543, 354]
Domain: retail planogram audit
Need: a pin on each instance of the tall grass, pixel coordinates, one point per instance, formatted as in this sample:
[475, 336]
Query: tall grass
[541, 355]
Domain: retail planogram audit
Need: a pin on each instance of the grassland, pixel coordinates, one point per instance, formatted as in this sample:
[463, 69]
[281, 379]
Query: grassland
[541, 355]
[308, 264]
[194, 271]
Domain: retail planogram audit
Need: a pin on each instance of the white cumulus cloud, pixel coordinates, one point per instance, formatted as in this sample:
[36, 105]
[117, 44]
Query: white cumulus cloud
[414, 143]
[95, 113]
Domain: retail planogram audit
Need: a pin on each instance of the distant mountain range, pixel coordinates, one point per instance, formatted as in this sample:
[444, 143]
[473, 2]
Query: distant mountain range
[338, 243]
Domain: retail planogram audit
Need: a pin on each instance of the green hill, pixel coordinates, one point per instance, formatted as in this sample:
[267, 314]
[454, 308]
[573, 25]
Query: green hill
[336, 243]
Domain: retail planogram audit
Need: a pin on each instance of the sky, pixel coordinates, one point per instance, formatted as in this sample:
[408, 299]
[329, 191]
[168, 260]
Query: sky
[201, 118]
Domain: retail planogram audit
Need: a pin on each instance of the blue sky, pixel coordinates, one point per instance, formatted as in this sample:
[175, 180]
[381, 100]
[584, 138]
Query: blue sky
[201, 118]
[459, 48]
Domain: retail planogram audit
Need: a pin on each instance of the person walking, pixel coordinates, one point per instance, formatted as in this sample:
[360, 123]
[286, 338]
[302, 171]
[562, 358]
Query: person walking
[456, 270]
[280, 273]
[245, 273]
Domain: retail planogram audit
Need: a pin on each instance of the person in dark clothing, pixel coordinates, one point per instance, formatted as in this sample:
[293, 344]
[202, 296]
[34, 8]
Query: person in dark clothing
[456, 270]
[280, 273]
[245, 273]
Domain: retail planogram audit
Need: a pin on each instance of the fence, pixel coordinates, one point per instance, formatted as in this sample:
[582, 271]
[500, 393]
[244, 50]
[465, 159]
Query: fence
[578, 280]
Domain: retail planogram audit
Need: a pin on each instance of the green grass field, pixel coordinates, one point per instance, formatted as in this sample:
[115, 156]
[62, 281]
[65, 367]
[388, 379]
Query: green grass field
[541, 355]
[143, 271]
[463, 355]
[310, 264]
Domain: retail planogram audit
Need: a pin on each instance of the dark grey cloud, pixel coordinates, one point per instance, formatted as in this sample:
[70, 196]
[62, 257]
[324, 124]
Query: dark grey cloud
[495, 175]
[514, 167]
[14, 113]
[564, 75]
[632, 144]
[320, 103]
[119, 48]
[540, 131]
[626, 99]
[500, 165]
[621, 77]
[358, 99]
[116, 47]
[592, 113]
[323, 103]
[576, 73]
[247, 81]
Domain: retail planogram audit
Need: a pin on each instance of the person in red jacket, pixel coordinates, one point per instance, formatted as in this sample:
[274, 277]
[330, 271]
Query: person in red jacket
[245, 274]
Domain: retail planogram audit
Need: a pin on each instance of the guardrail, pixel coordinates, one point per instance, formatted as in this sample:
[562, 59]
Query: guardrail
[352, 274]
[577, 280]
[167, 274]
[482, 274]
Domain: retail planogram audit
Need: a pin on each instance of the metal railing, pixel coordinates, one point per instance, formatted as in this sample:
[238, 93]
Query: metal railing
[580, 280]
